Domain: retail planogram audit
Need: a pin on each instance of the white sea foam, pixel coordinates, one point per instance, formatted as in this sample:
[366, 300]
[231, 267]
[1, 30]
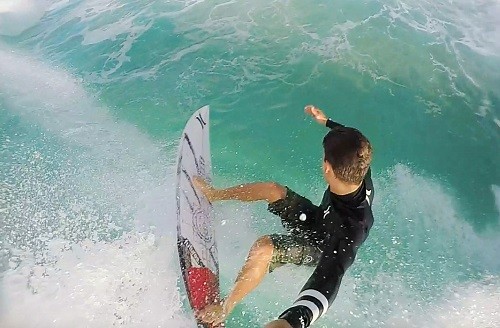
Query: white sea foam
[64, 240]
[432, 210]
[55, 100]
[470, 305]
[471, 23]
[129, 282]
[124, 22]
[16, 16]
[344, 37]
[442, 40]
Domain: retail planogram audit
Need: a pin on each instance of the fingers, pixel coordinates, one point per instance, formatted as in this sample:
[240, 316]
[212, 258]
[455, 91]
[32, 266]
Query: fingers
[206, 189]
[309, 109]
[203, 315]
[199, 182]
[213, 314]
[313, 111]
[316, 114]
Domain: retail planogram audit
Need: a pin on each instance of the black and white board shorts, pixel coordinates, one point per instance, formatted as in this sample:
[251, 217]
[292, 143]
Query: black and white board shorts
[296, 247]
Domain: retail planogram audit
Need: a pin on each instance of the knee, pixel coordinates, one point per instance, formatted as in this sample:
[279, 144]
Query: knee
[263, 247]
[277, 192]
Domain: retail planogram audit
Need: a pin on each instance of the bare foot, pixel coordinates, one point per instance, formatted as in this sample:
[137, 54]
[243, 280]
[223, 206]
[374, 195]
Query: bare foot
[213, 313]
[203, 186]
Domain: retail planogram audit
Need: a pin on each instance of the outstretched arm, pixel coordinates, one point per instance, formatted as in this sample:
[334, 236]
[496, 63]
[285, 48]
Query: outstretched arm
[320, 117]
[268, 191]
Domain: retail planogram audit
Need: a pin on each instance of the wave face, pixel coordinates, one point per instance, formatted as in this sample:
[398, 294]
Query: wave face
[93, 98]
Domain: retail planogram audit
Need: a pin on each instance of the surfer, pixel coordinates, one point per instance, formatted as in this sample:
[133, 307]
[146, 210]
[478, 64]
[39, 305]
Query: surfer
[326, 237]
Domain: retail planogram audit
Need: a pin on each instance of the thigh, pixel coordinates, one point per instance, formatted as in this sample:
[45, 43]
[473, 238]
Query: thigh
[293, 249]
[296, 212]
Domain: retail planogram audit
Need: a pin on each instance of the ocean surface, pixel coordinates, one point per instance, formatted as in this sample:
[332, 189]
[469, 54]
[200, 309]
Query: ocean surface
[93, 98]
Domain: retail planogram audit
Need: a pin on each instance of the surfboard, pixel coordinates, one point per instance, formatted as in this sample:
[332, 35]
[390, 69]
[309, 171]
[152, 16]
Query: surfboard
[195, 227]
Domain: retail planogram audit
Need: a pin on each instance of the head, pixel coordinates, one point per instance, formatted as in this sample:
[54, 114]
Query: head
[347, 155]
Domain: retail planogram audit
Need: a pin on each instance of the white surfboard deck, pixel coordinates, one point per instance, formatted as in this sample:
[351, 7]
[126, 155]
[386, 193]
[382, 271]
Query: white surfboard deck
[195, 227]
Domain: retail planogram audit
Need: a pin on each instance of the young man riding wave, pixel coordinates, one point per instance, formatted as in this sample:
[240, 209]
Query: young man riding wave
[325, 237]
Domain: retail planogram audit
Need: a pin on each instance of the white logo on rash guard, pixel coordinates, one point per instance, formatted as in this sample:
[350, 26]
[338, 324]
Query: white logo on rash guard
[368, 193]
[326, 212]
[302, 322]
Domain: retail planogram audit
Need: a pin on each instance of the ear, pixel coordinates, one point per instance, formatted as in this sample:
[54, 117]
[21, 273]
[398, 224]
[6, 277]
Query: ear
[327, 168]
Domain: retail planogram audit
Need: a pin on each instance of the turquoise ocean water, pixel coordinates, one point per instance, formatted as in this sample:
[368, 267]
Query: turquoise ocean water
[94, 95]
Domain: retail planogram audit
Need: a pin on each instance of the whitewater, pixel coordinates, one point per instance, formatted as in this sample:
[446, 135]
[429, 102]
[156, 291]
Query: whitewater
[94, 95]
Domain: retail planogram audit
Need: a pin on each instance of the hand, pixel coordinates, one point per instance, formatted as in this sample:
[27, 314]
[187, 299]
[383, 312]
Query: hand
[316, 114]
[280, 323]
[203, 186]
[214, 314]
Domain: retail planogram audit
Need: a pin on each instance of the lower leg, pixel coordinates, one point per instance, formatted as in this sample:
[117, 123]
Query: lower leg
[252, 272]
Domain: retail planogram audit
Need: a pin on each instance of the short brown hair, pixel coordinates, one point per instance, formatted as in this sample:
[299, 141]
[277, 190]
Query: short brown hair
[349, 153]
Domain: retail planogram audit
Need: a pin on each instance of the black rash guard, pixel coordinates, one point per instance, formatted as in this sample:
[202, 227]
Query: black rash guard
[339, 226]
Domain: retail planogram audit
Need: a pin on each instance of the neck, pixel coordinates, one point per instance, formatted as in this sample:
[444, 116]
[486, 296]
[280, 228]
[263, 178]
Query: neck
[340, 188]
